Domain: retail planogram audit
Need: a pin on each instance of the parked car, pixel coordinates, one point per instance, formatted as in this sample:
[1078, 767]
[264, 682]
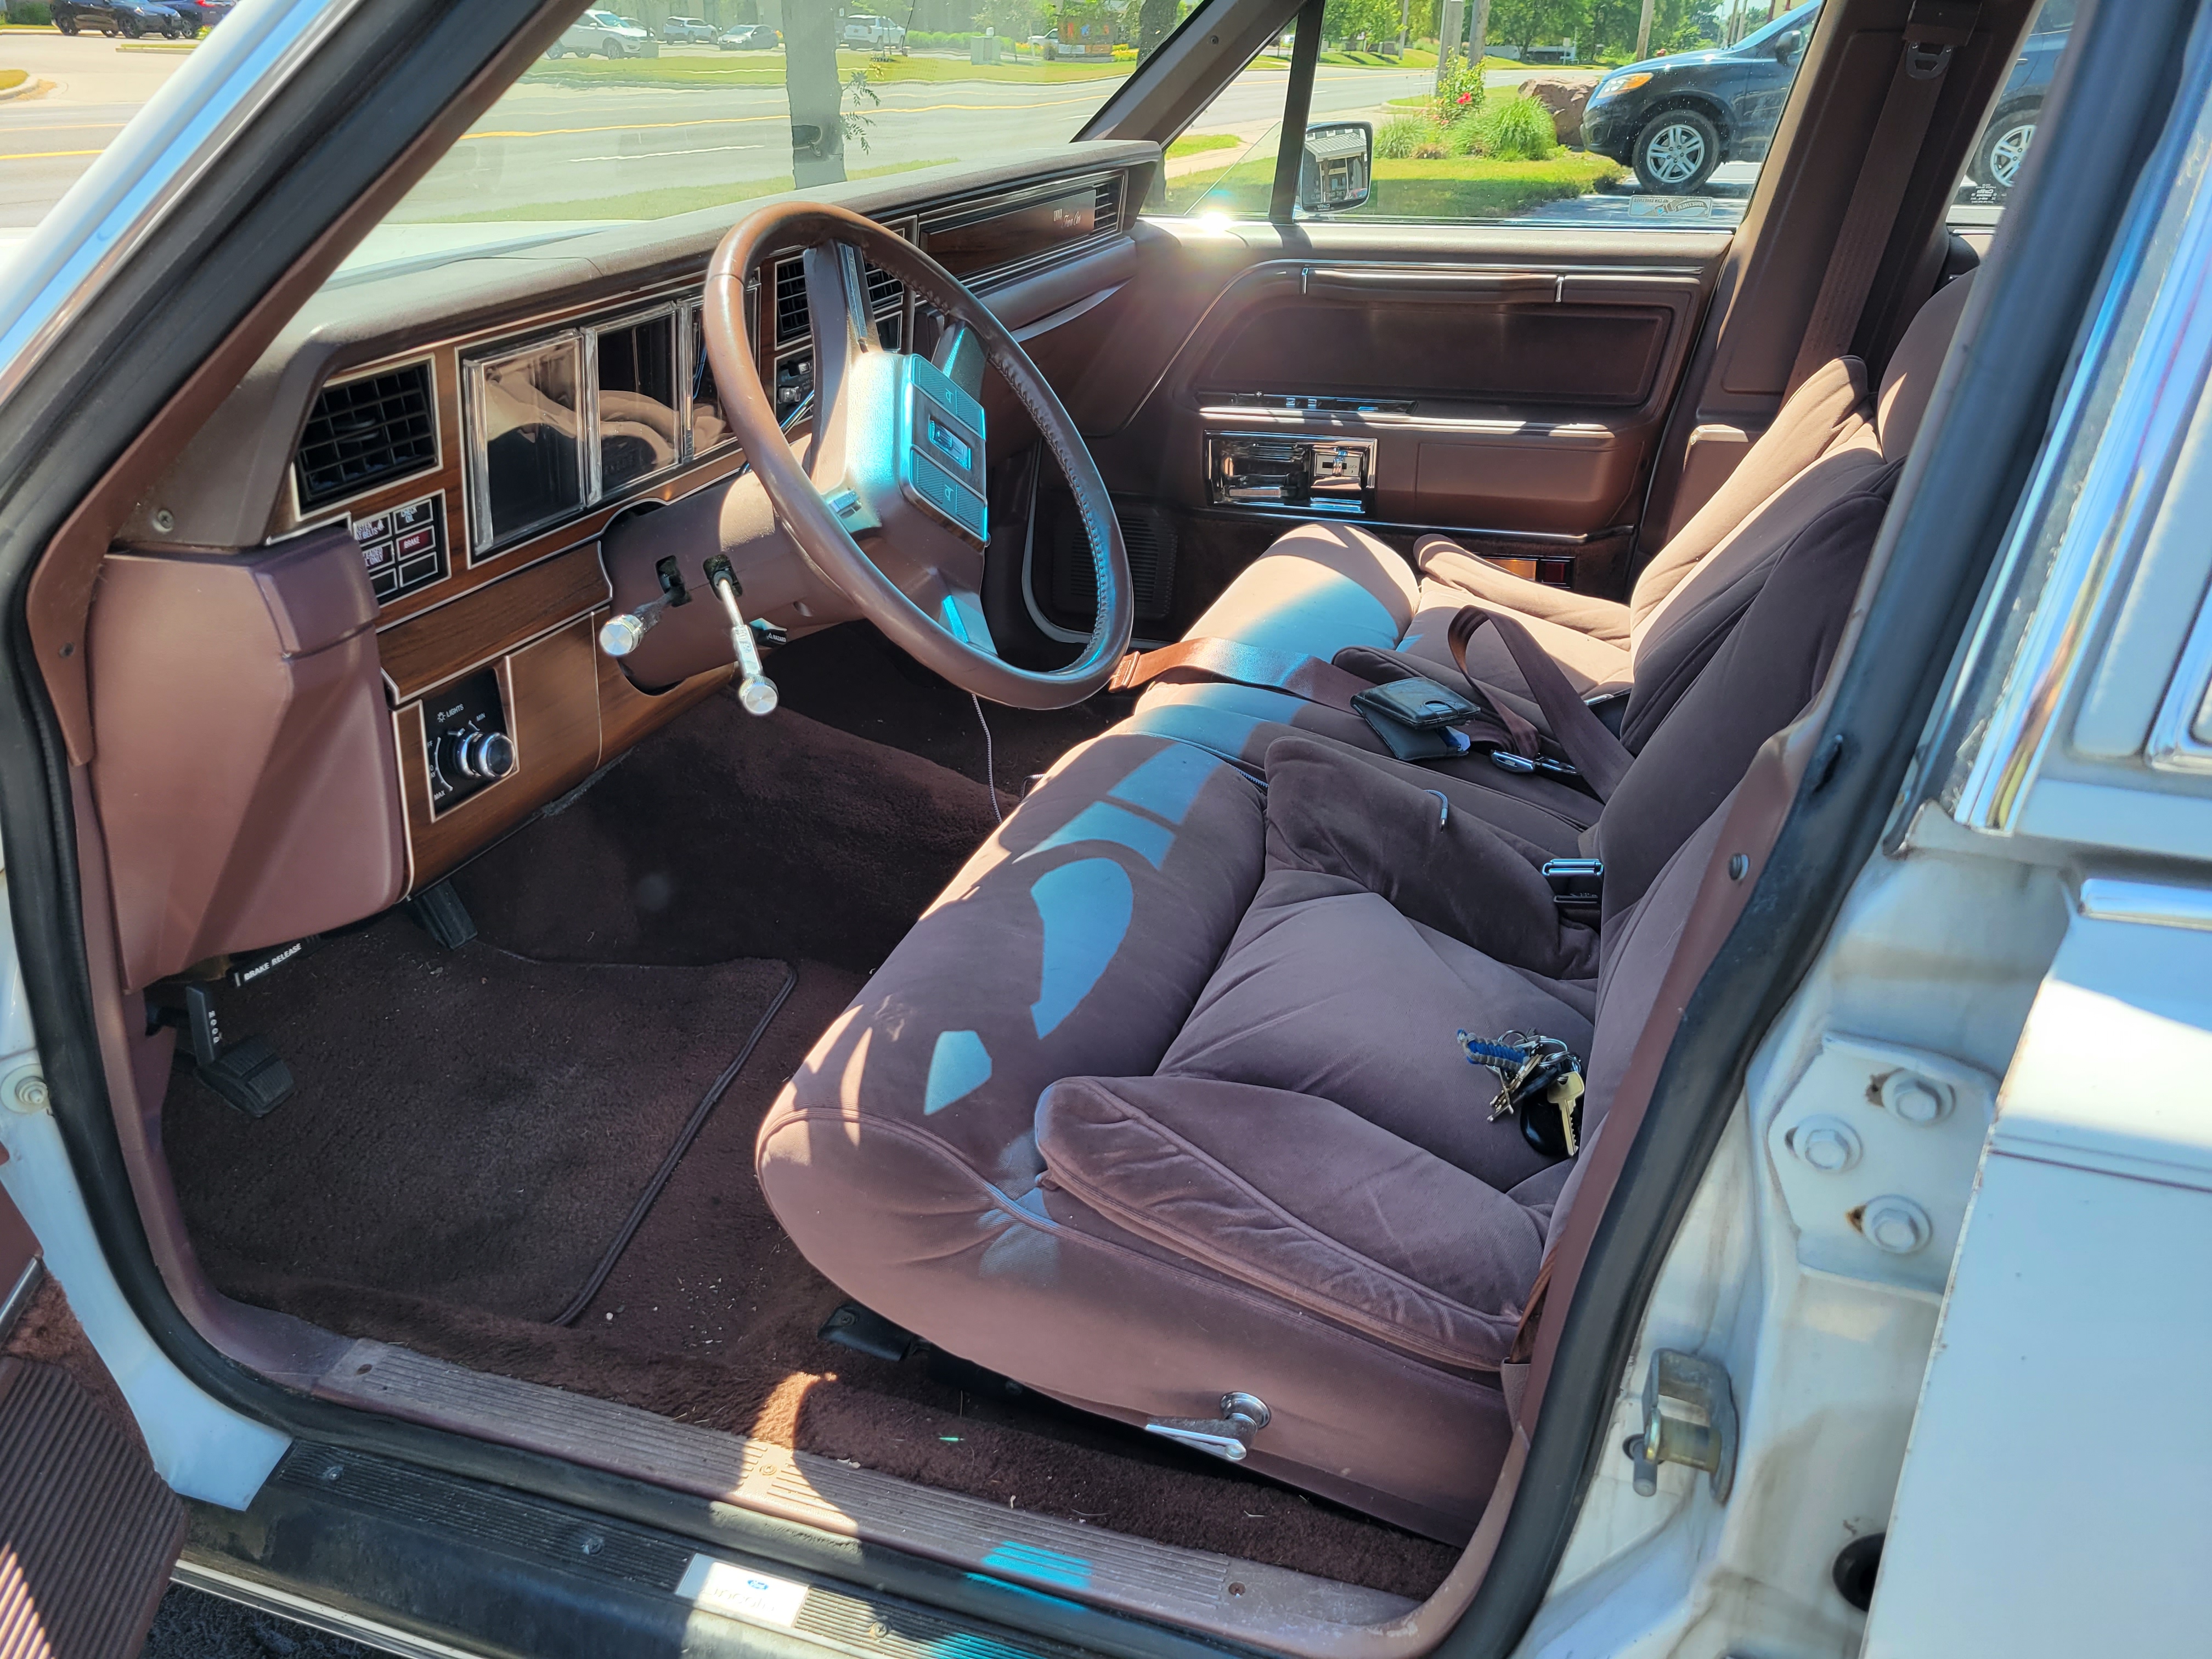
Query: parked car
[1674, 120]
[200, 14]
[866, 29]
[2003, 145]
[605, 33]
[128, 18]
[687, 30]
[748, 37]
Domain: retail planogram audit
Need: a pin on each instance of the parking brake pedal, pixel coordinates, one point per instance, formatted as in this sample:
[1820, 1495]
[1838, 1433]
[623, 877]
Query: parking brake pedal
[248, 1074]
[251, 1075]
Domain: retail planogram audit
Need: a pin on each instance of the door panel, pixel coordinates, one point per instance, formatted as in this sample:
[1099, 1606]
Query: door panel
[1506, 384]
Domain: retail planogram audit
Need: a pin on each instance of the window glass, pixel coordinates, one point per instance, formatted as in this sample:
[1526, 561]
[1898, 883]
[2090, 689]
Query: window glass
[1993, 166]
[1554, 116]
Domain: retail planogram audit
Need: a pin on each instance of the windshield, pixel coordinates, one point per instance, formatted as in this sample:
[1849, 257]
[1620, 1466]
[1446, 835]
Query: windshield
[605, 131]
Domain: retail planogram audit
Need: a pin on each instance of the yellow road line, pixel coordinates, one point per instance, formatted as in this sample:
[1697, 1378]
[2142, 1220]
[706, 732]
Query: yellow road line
[747, 120]
[46, 155]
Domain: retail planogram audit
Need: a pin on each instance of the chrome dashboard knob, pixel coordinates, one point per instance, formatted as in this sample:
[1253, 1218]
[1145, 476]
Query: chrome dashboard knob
[486, 756]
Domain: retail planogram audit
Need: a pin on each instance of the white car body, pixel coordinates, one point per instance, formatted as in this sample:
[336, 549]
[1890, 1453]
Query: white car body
[605, 34]
[864, 29]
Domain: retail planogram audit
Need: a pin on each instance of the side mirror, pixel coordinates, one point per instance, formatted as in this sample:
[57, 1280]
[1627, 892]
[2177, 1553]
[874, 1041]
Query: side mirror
[1335, 173]
[1787, 44]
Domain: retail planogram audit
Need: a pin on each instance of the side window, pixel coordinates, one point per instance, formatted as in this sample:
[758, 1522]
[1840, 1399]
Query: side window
[1565, 114]
[2000, 151]
[1225, 161]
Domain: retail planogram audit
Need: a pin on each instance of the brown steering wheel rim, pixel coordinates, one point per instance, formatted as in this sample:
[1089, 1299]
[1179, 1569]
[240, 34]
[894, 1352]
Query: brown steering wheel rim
[784, 227]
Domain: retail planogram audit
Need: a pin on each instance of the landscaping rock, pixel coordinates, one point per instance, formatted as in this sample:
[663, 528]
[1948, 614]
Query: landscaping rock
[1565, 97]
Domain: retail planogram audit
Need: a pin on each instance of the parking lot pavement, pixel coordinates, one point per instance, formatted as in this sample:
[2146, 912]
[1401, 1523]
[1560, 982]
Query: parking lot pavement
[47, 141]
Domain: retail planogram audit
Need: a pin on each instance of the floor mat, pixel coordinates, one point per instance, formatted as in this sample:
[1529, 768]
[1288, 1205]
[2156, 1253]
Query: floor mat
[467, 1125]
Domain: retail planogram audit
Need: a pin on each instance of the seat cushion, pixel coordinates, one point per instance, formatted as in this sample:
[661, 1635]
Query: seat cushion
[1298, 1197]
[1317, 589]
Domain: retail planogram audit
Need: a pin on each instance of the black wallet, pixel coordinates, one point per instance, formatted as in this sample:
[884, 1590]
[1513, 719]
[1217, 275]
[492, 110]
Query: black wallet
[1414, 718]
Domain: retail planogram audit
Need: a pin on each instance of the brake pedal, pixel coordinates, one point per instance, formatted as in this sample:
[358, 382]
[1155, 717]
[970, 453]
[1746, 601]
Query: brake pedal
[438, 911]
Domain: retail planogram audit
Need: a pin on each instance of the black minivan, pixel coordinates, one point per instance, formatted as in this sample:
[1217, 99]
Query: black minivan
[1674, 120]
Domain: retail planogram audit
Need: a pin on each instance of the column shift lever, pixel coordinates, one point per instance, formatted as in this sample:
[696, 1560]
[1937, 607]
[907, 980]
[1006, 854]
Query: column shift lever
[756, 691]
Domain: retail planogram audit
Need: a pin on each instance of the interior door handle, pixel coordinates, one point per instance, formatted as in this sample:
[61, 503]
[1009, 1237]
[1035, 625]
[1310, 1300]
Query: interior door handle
[1427, 284]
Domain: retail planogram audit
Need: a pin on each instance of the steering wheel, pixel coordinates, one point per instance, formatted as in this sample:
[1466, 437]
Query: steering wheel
[897, 456]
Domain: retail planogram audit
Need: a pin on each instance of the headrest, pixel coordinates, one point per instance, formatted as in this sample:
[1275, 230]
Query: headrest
[1910, 380]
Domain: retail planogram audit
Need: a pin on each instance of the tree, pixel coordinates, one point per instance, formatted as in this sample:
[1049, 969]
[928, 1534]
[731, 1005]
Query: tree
[1358, 22]
[815, 92]
[1155, 20]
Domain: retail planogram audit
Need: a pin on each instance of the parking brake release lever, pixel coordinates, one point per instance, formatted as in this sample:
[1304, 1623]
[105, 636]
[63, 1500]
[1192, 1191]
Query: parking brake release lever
[756, 691]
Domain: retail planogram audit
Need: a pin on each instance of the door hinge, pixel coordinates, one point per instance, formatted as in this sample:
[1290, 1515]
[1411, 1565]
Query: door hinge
[1689, 1418]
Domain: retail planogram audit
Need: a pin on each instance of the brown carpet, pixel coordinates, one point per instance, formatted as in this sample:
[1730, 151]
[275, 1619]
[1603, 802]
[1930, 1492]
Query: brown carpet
[467, 1126]
[472, 1128]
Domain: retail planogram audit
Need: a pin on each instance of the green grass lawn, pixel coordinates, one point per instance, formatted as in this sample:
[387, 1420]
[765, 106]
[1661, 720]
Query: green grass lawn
[766, 69]
[1476, 187]
[1459, 187]
[1197, 143]
[9, 78]
[661, 203]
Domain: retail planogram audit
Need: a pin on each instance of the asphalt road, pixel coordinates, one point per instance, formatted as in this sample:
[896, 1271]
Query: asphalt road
[546, 144]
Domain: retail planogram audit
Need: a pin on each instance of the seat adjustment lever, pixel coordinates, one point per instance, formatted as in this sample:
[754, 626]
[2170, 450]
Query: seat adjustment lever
[1229, 1435]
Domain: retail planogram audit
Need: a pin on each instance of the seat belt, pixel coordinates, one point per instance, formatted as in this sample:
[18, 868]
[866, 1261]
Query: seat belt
[1600, 758]
[1932, 34]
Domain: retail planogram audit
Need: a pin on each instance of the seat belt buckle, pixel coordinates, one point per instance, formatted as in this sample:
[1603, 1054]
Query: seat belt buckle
[1508, 760]
[1576, 883]
[1125, 673]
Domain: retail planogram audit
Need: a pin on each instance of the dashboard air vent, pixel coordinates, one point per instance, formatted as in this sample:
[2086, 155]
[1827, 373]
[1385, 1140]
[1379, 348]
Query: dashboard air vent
[790, 301]
[1106, 218]
[367, 432]
[885, 291]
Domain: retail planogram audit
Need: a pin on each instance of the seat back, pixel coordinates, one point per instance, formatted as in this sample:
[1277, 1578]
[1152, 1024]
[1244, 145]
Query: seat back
[1830, 440]
[1755, 627]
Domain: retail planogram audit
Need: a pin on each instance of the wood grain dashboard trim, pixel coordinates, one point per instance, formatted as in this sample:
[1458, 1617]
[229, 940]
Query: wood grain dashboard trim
[551, 690]
[429, 649]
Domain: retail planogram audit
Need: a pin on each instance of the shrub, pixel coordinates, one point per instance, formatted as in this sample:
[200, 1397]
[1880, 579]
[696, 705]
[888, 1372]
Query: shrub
[1460, 92]
[1464, 135]
[32, 12]
[1401, 135]
[1517, 128]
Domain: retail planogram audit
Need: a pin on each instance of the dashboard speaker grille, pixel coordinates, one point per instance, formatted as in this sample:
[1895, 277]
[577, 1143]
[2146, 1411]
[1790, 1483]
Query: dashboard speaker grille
[367, 432]
[1150, 538]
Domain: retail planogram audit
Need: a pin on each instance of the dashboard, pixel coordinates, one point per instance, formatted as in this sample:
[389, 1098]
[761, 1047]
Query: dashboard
[476, 426]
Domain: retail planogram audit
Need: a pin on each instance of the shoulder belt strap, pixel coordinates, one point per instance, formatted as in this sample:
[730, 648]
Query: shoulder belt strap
[1597, 753]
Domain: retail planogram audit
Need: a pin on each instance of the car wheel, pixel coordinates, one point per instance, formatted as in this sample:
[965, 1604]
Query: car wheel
[614, 50]
[1676, 152]
[67, 25]
[2004, 150]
